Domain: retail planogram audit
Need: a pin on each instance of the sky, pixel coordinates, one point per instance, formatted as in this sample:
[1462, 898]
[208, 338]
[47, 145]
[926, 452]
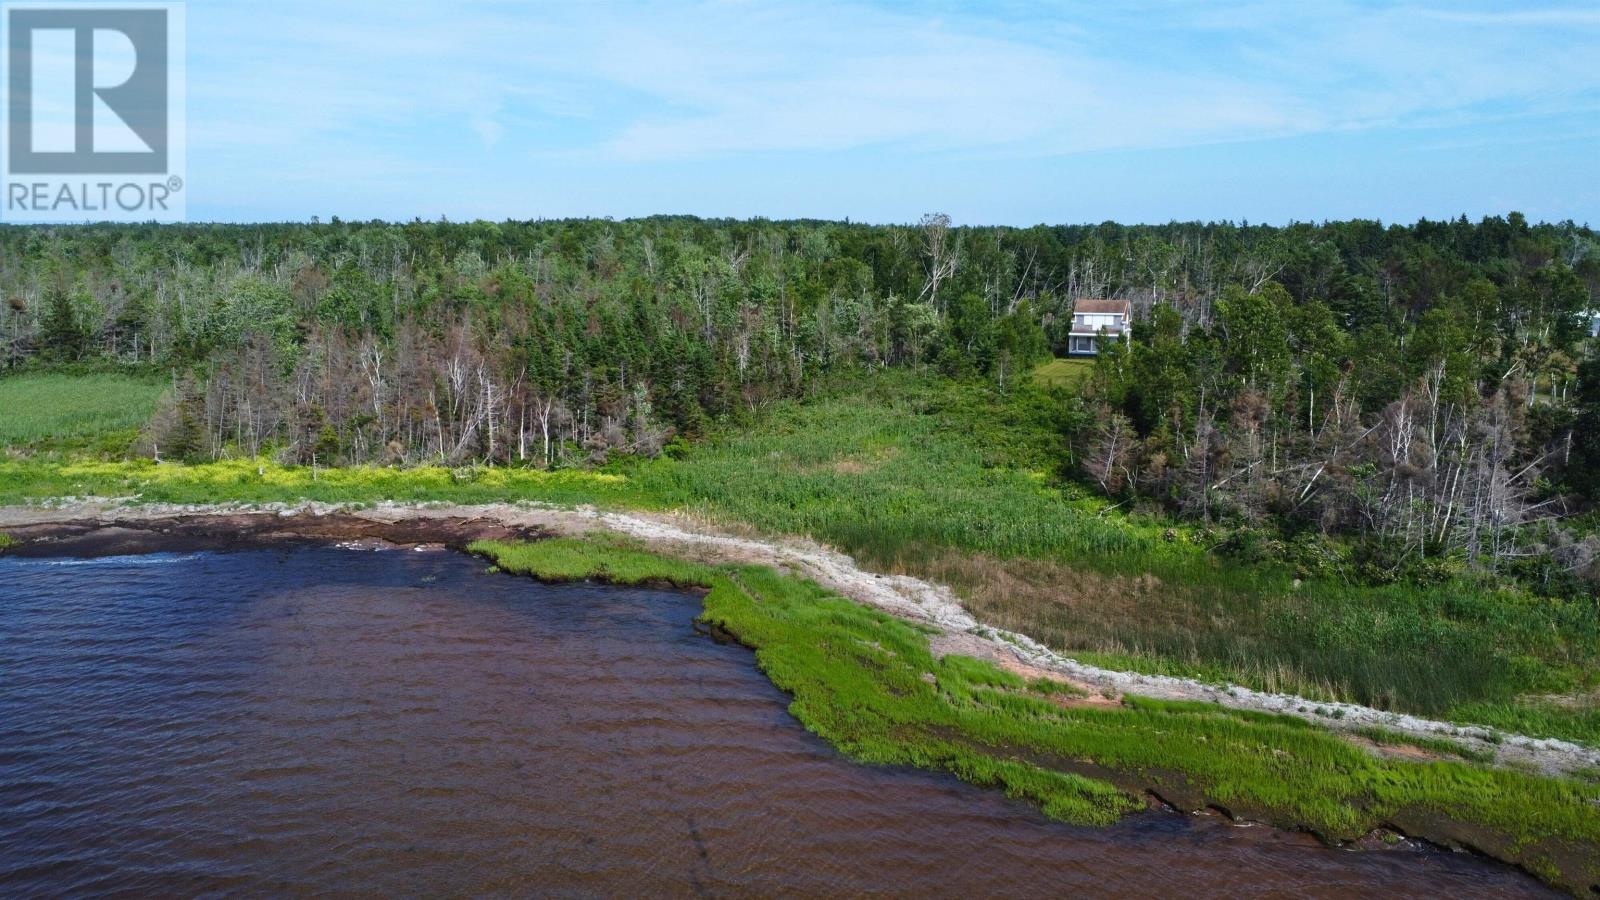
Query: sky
[995, 113]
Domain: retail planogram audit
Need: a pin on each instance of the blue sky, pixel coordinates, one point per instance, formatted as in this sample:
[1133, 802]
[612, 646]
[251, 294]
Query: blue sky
[1006, 113]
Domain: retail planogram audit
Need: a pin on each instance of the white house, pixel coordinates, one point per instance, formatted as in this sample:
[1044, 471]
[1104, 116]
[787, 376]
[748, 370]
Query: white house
[1094, 320]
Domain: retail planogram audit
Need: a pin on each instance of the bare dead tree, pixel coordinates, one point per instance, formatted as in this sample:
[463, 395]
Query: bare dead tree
[940, 255]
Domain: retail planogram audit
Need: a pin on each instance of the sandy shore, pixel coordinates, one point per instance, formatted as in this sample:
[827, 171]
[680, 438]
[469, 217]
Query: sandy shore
[97, 527]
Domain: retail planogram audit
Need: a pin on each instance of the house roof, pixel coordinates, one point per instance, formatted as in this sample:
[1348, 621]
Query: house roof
[1094, 305]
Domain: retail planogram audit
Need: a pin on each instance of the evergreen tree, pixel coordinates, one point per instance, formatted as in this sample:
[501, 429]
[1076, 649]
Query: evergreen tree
[61, 332]
[1583, 469]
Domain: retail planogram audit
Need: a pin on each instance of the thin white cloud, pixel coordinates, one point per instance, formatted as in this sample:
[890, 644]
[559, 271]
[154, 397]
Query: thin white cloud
[671, 82]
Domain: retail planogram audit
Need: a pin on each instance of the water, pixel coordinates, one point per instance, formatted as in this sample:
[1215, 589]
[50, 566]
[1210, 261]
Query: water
[319, 720]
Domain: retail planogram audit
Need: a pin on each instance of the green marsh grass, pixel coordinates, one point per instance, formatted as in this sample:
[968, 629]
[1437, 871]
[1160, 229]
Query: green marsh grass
[1443, 746]
[1574, 722]
[37, 408]
[869, 685]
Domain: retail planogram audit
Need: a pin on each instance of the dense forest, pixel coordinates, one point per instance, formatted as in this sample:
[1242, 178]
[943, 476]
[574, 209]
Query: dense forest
[1430, 391]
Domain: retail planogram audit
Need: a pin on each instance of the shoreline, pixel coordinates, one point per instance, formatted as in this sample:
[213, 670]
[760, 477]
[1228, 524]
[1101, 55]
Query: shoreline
[121, 527]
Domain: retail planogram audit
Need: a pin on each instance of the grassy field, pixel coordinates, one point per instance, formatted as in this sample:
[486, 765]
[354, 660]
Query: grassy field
[50, 408]
[1063, 372]
[869, 685]
[952, 483]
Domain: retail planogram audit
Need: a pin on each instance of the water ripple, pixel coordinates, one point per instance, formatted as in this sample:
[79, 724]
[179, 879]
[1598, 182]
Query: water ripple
[325, 720]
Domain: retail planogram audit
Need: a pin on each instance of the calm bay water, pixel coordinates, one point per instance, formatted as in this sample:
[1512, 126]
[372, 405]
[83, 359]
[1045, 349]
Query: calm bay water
[324, 720]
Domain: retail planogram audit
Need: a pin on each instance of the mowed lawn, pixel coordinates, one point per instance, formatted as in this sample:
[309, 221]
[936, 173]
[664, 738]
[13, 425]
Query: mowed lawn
[49, 406]
[1063, 372]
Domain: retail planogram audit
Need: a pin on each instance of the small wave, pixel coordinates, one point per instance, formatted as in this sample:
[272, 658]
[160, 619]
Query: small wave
[124, 560]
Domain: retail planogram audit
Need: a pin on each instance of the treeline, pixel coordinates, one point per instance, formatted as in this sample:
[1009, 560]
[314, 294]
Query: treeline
[1430, 386]
[533, 342]
[1457, 422]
